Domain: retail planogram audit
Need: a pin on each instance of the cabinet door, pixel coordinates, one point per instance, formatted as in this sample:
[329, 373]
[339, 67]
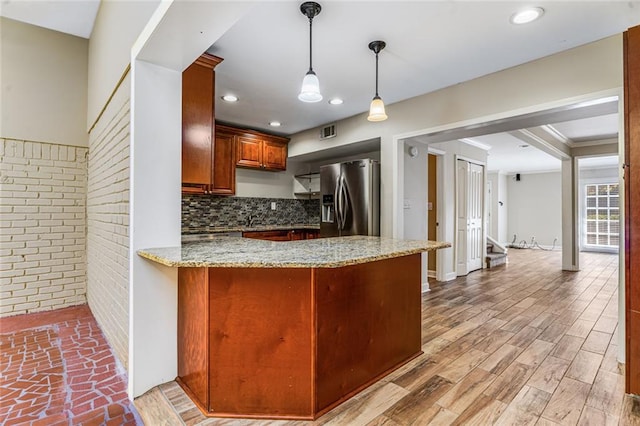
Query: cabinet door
[197, 122]
[249, 151]
[282, 235]
[311, 234]
[224, 164]
[297, 234]
[274, 155]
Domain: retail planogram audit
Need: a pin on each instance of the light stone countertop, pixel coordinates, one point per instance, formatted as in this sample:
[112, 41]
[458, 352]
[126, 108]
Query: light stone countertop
[233, 252]
[222, 229]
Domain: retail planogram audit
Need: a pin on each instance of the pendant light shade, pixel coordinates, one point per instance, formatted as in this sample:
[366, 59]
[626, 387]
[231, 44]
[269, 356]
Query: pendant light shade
[310, 91]
[376, 109]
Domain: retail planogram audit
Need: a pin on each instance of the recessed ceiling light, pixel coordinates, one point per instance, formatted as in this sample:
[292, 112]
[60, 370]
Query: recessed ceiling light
[230, 98]
[275, 124]
[527, 15]
[336, 101]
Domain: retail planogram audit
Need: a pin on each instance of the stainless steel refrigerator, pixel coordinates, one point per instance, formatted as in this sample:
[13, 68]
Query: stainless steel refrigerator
[350, 197]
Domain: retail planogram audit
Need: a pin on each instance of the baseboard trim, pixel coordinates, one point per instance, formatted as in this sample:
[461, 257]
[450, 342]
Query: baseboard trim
[425, 287]
[450, 276]
[431, 274]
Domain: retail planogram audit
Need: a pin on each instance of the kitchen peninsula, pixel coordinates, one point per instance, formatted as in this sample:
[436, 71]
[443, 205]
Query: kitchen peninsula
[292, 329]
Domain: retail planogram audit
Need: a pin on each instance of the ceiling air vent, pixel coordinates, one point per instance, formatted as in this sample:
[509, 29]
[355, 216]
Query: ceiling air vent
[328, 131]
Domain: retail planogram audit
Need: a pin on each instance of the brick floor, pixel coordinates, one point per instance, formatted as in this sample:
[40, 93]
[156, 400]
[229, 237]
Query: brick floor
[56, 368]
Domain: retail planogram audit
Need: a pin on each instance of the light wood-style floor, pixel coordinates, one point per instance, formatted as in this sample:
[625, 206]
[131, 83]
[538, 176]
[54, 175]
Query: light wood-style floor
[520, 344]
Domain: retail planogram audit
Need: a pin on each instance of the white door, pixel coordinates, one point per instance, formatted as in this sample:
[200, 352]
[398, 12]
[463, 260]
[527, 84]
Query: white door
[469, 208]
[475, 191]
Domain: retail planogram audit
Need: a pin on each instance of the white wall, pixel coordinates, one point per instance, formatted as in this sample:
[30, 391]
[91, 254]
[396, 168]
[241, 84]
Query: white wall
[499, 220]
[258, 183]
[44, 84]
[535, 208]
[117, 26]
[503, 210]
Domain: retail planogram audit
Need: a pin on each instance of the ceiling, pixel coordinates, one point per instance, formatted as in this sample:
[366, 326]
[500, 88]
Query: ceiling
[75, 17]
[430, 45]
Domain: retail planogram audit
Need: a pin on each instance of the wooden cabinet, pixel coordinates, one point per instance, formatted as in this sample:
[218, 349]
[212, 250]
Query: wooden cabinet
[293, 343]
[260, 151]
[282, 235]
[632, 204]
[311, 234]
[208, 159]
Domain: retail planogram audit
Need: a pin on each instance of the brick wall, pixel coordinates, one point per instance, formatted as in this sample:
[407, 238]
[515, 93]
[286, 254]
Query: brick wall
[108, 222]
[42, 226]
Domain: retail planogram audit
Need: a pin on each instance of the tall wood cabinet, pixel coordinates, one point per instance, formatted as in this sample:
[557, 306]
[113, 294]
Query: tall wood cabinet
[208, 159]
[632, 206]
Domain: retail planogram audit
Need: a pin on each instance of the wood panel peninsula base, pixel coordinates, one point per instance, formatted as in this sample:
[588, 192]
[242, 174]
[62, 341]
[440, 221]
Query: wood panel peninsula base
[293, 342]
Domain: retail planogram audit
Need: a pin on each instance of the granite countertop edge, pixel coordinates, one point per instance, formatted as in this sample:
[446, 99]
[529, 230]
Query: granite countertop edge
[257, 228]
[294, 254]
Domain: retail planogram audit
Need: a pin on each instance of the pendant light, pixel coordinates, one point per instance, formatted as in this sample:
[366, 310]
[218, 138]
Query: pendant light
[310, 91]
[376, 110]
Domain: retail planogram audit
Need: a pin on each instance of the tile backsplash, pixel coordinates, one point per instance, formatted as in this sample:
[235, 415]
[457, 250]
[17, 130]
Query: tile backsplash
[202, 213]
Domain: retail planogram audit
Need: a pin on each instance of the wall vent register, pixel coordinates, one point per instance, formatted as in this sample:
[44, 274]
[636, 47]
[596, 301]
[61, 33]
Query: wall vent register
[328, 132]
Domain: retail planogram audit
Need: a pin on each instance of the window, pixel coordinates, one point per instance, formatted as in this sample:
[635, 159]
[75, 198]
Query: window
[602, 215]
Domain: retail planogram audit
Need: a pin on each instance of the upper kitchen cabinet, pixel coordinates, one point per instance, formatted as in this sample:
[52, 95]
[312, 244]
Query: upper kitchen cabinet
[208, 159]
[260, 150]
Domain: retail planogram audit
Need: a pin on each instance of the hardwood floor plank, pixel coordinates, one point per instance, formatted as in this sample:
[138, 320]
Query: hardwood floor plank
[597, 341]
[458, 398]
[531, 400]
[514, 416]
[459, 367]
[554, 332]
[492, 342]
[630, 411]
[584, 366]
[509, 383]
[581, 328]
[415, 405]
[567, 401]
[535, 353]
[544, 320]
[483, 411]
[607, 393]
[593, 417]
[500, 359]
[516, 324]
[367, 409]
[548, 375]
[610, 361]
[606, 324]
[421, 373]
[568, 347]
[525, 337]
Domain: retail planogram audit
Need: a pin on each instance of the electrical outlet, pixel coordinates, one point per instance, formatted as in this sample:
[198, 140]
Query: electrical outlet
[273, 205]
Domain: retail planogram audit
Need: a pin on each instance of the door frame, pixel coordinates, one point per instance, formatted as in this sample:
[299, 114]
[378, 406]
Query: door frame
[483, 164]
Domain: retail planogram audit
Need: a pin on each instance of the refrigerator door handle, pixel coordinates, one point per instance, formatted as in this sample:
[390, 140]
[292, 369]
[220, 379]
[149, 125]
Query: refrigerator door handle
[336, 201]
[344, 204]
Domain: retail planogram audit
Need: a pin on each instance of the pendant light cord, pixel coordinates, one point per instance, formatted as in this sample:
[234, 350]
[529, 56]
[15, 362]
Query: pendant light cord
[377, 75]
[310, 45]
